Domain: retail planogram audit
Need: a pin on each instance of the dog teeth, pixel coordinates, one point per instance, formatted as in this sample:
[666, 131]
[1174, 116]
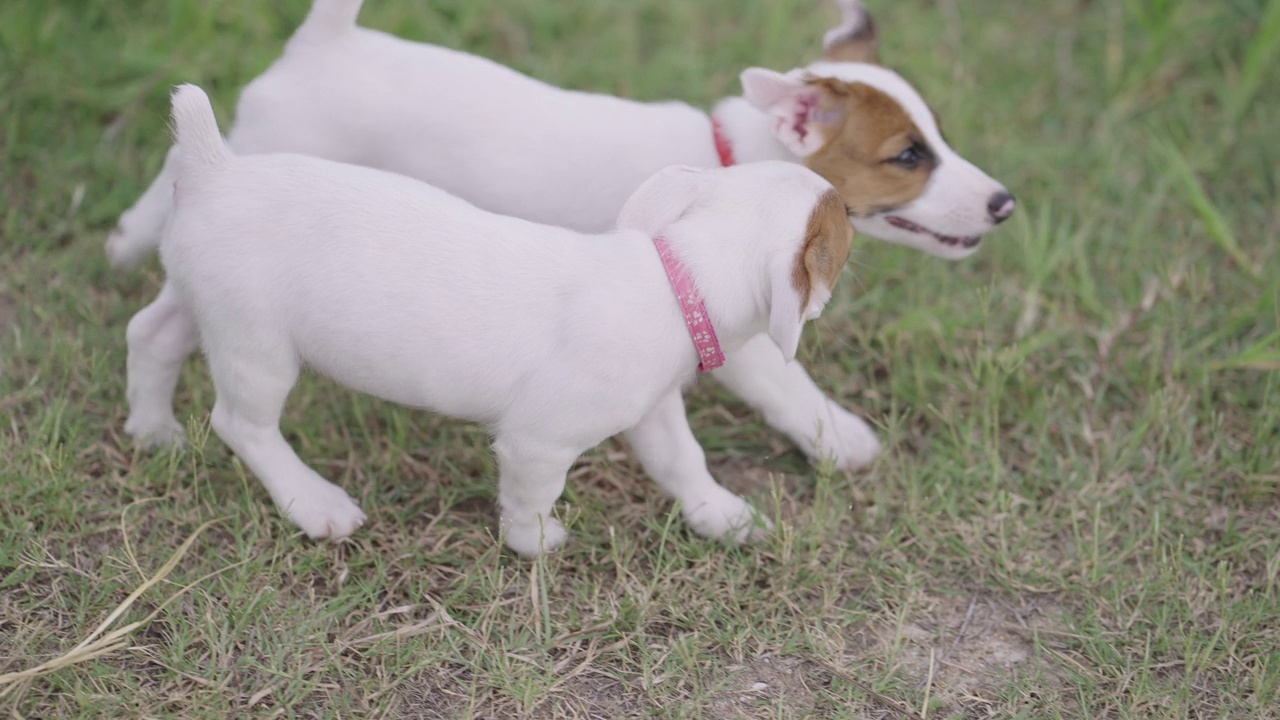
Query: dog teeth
[949, 240]
[962, 241]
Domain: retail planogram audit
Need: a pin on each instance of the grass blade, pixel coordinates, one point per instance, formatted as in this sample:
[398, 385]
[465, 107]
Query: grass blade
[1262, 355]
[1260, 57]
[1214, 222]
[97, 644]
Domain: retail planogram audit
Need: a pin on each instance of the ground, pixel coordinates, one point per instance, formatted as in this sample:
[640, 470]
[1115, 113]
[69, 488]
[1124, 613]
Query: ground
[1075, 514]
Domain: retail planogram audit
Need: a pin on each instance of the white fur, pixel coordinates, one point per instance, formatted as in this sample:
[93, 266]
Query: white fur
[514, 145]
[402, 291]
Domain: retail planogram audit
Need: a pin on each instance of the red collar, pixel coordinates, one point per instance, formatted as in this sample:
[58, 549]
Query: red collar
[723, 147]
[696, 318]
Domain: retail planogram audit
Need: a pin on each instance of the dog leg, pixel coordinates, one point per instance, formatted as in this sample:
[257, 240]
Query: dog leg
[793, 404]
[161, 336]
[138, 230]
[671, 456]
[246, 416]
[531, 478]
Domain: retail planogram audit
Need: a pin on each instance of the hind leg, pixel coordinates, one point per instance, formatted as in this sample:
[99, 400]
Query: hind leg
[160, 338]
[138, 230]
[253, 379]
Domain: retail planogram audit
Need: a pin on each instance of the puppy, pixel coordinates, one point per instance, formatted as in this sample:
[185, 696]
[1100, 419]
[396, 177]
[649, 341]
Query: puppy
[514, 145]
[402, 291]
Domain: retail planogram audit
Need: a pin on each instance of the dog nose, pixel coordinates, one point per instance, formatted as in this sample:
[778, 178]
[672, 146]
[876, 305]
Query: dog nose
[1001, 206]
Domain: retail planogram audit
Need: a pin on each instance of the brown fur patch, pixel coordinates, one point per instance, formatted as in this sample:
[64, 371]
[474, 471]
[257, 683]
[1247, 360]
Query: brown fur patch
[867, 129]
[827, 241]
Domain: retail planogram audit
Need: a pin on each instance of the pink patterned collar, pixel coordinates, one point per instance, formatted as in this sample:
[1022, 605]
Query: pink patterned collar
[710, 356]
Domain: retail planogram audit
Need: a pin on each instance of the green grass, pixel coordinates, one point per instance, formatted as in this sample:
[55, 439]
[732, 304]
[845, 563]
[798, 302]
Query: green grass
[1076, 513]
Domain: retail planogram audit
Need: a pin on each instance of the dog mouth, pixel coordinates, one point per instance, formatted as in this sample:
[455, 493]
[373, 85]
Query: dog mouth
[967, 241]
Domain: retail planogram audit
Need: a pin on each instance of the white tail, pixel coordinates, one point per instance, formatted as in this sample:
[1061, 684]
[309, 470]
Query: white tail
[200, 145]
[329, 18]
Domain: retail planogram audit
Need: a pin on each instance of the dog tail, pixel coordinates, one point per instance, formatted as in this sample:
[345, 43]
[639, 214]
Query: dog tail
[329, 18]
[855, 39]
[195, 129]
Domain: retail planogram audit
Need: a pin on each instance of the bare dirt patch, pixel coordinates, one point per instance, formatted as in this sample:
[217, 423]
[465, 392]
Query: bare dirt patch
[432, 695]
[762, 685]
[966, 650]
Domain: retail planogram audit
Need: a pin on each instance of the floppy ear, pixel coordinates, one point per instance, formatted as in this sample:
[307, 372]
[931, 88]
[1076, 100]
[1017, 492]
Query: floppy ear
[786, 318]
[800, 286]
[807, 113]
[855, 38]
[661, 200]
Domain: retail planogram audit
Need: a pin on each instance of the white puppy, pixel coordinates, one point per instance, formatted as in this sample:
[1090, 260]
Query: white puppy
[514, 145]
[554, 339]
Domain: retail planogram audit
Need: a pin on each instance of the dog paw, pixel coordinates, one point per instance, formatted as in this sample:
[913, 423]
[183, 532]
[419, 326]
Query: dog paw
[845, 439]
[726, 516]
[533, 538]
[151, 433]
[124, 251]
[325, 511]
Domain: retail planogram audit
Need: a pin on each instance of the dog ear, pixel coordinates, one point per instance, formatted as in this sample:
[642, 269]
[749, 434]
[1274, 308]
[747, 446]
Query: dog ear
[661, 200]
[800, 286]
[807, 113]
[786, 317]
[855, 38]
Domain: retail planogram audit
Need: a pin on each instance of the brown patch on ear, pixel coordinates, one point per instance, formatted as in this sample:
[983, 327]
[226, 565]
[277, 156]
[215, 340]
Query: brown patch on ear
[872, 129]
[856, 40]
[827, 242]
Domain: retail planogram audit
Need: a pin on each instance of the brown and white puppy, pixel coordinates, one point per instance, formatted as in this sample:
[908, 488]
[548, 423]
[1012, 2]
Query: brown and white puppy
[869, 133]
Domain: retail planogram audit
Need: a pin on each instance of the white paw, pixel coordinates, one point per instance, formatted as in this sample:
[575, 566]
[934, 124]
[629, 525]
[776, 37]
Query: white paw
[324, 510]
[125, 251]
[843, 438]
[158, 431]
[532, 538]
[725, 516]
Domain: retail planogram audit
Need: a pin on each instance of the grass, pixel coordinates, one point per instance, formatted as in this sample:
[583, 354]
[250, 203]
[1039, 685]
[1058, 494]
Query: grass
[1076, 512]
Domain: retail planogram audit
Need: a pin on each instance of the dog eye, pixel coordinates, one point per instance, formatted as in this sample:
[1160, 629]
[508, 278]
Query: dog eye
[908, 159]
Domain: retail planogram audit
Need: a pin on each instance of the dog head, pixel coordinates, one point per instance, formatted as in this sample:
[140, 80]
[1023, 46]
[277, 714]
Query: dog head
[786, 215]
[871, 135]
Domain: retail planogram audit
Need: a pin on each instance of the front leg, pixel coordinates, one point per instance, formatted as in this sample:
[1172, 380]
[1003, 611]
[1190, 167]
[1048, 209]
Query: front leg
[531, 477]
[790, 401]
[671, 456]
[138, 230]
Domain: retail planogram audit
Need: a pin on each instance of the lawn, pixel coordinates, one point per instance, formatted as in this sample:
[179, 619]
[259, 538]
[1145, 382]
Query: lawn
[1075, 515]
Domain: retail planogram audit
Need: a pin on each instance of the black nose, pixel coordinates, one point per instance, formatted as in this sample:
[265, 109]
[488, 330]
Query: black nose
[1001, 206]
